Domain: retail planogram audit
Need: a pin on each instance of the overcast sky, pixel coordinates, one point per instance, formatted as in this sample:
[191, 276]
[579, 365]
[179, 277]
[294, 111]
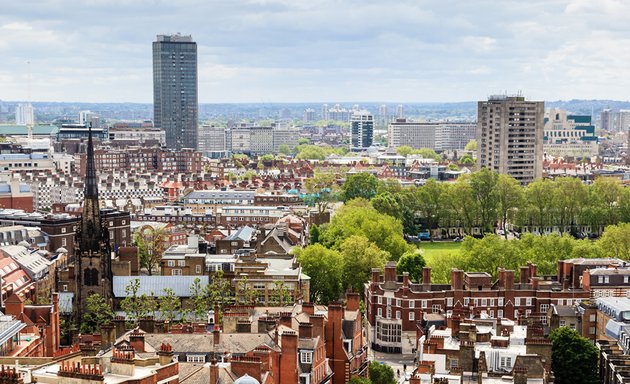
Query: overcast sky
[318, 50]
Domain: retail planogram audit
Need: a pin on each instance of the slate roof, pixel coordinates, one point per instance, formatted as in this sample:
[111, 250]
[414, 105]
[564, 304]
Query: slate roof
[154, 285]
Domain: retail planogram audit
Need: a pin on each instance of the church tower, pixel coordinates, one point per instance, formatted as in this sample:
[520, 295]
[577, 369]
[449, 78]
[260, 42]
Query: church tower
[93, 271]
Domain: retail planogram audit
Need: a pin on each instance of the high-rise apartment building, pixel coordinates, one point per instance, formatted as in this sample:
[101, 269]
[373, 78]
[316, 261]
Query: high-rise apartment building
[362, 130]
[212, 139]
[607, 120]
[400, 112]
[24, 114]
[442, 136]
[510, 136]
[309, 115]
[175, 104]
[623, 120]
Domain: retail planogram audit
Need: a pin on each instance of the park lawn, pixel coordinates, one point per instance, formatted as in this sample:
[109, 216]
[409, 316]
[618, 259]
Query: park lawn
[435, 250]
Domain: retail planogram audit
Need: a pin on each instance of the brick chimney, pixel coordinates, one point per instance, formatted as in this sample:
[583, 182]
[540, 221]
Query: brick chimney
[286, 319]
[405, 276]
[136, 339]
[250, 366]
[457, 279]
[352, 301]
[520, 375]
[509, 280]
[318, 325]
[216, 336]
[426, 275]
[533, 269]
[214, 371]
[390, 271]
[376, 275]
[308, 308]
[288, 357]
[524, 278]
[306, 330]
[165, 354]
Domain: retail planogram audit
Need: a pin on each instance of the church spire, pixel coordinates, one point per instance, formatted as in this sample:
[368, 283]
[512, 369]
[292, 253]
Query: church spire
[91, 227]
[91, 187]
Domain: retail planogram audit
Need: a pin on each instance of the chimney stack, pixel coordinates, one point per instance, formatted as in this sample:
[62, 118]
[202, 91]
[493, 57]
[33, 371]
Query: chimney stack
[426, 275]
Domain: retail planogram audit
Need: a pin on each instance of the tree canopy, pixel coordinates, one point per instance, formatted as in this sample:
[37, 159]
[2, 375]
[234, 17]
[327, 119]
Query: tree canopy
[361, 184]
[574, 359]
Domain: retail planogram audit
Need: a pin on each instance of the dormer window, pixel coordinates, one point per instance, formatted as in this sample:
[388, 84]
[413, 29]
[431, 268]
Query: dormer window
[306, 357]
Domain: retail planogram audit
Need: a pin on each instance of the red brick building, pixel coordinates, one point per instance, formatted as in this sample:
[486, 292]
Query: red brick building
[396, 307]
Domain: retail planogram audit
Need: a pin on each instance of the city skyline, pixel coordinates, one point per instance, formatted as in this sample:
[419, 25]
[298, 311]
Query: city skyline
[281, 51]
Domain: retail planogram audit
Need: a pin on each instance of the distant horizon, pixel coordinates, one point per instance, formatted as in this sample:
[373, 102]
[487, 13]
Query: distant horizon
[330, 103]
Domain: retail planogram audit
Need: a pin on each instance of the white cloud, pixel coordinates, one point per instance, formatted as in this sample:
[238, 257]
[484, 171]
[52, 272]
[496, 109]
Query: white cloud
[314, 50]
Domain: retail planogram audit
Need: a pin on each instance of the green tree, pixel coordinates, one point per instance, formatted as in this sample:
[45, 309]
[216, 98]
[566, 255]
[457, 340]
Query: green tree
[359, 380]
[303, 140]
[467, 160]
[569, 199]
[218, 292]
[137, 306]
[280, 294]
[509, 195]
[323, 266]
[615, 242]
[324, 189]
[284, 149]
[429, 202]
[362, 184]
[387, 203]
[314, 234]
[151, 243]
[246, 294]
[98, 312]
[471, 146]
[404, 150]
[483, 184]
[358, 217]
[381, 373]
[427, 153]
[411, 262]
[359, 257]
[312, 152]
[170, 305]
[267, 157]
[198, 300]
[488, 254]
[538, 203]
[574, 359]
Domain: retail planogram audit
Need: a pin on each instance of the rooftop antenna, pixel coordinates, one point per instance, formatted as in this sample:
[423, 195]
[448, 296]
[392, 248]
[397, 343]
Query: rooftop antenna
[29, 123]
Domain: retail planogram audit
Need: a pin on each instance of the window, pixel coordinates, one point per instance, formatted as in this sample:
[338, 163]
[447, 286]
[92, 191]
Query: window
[177, 272]
[499, 313]
[484, 302]
[563, 323]
[475, 302]
[505, 362]
[492, 313]
[63, 242]
[181, 263]
[124, 222]
[63, 230]
[591, 330]
[625, 279]
[65, 288]
[379, 312]
[170, 263]
[500, 301]
[492, 302]
[195, 358]
[454, 363]
[517, 301]
[412, 316]
[425, 304]
[197, 268]
[466, 302]
[449, 302]
[378, 300]
[388, 332]
[435, 308]
[411, 303]
[306, 357]
[398, 303]
[592, 318]
[606, 279]
[397, 315]
[544, 308]
[516, 314]
[528, 301]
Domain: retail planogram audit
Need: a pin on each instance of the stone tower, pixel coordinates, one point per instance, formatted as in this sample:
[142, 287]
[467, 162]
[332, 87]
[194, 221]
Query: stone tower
[92, 256]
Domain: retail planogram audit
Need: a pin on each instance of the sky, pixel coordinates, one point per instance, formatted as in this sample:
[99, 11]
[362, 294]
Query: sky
[320, 50]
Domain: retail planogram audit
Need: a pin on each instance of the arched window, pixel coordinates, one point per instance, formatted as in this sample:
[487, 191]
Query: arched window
[90, 277]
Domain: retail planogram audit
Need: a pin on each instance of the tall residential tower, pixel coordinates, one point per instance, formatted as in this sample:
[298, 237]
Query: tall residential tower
[175, 107]
[510, 134]
[362, 130]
